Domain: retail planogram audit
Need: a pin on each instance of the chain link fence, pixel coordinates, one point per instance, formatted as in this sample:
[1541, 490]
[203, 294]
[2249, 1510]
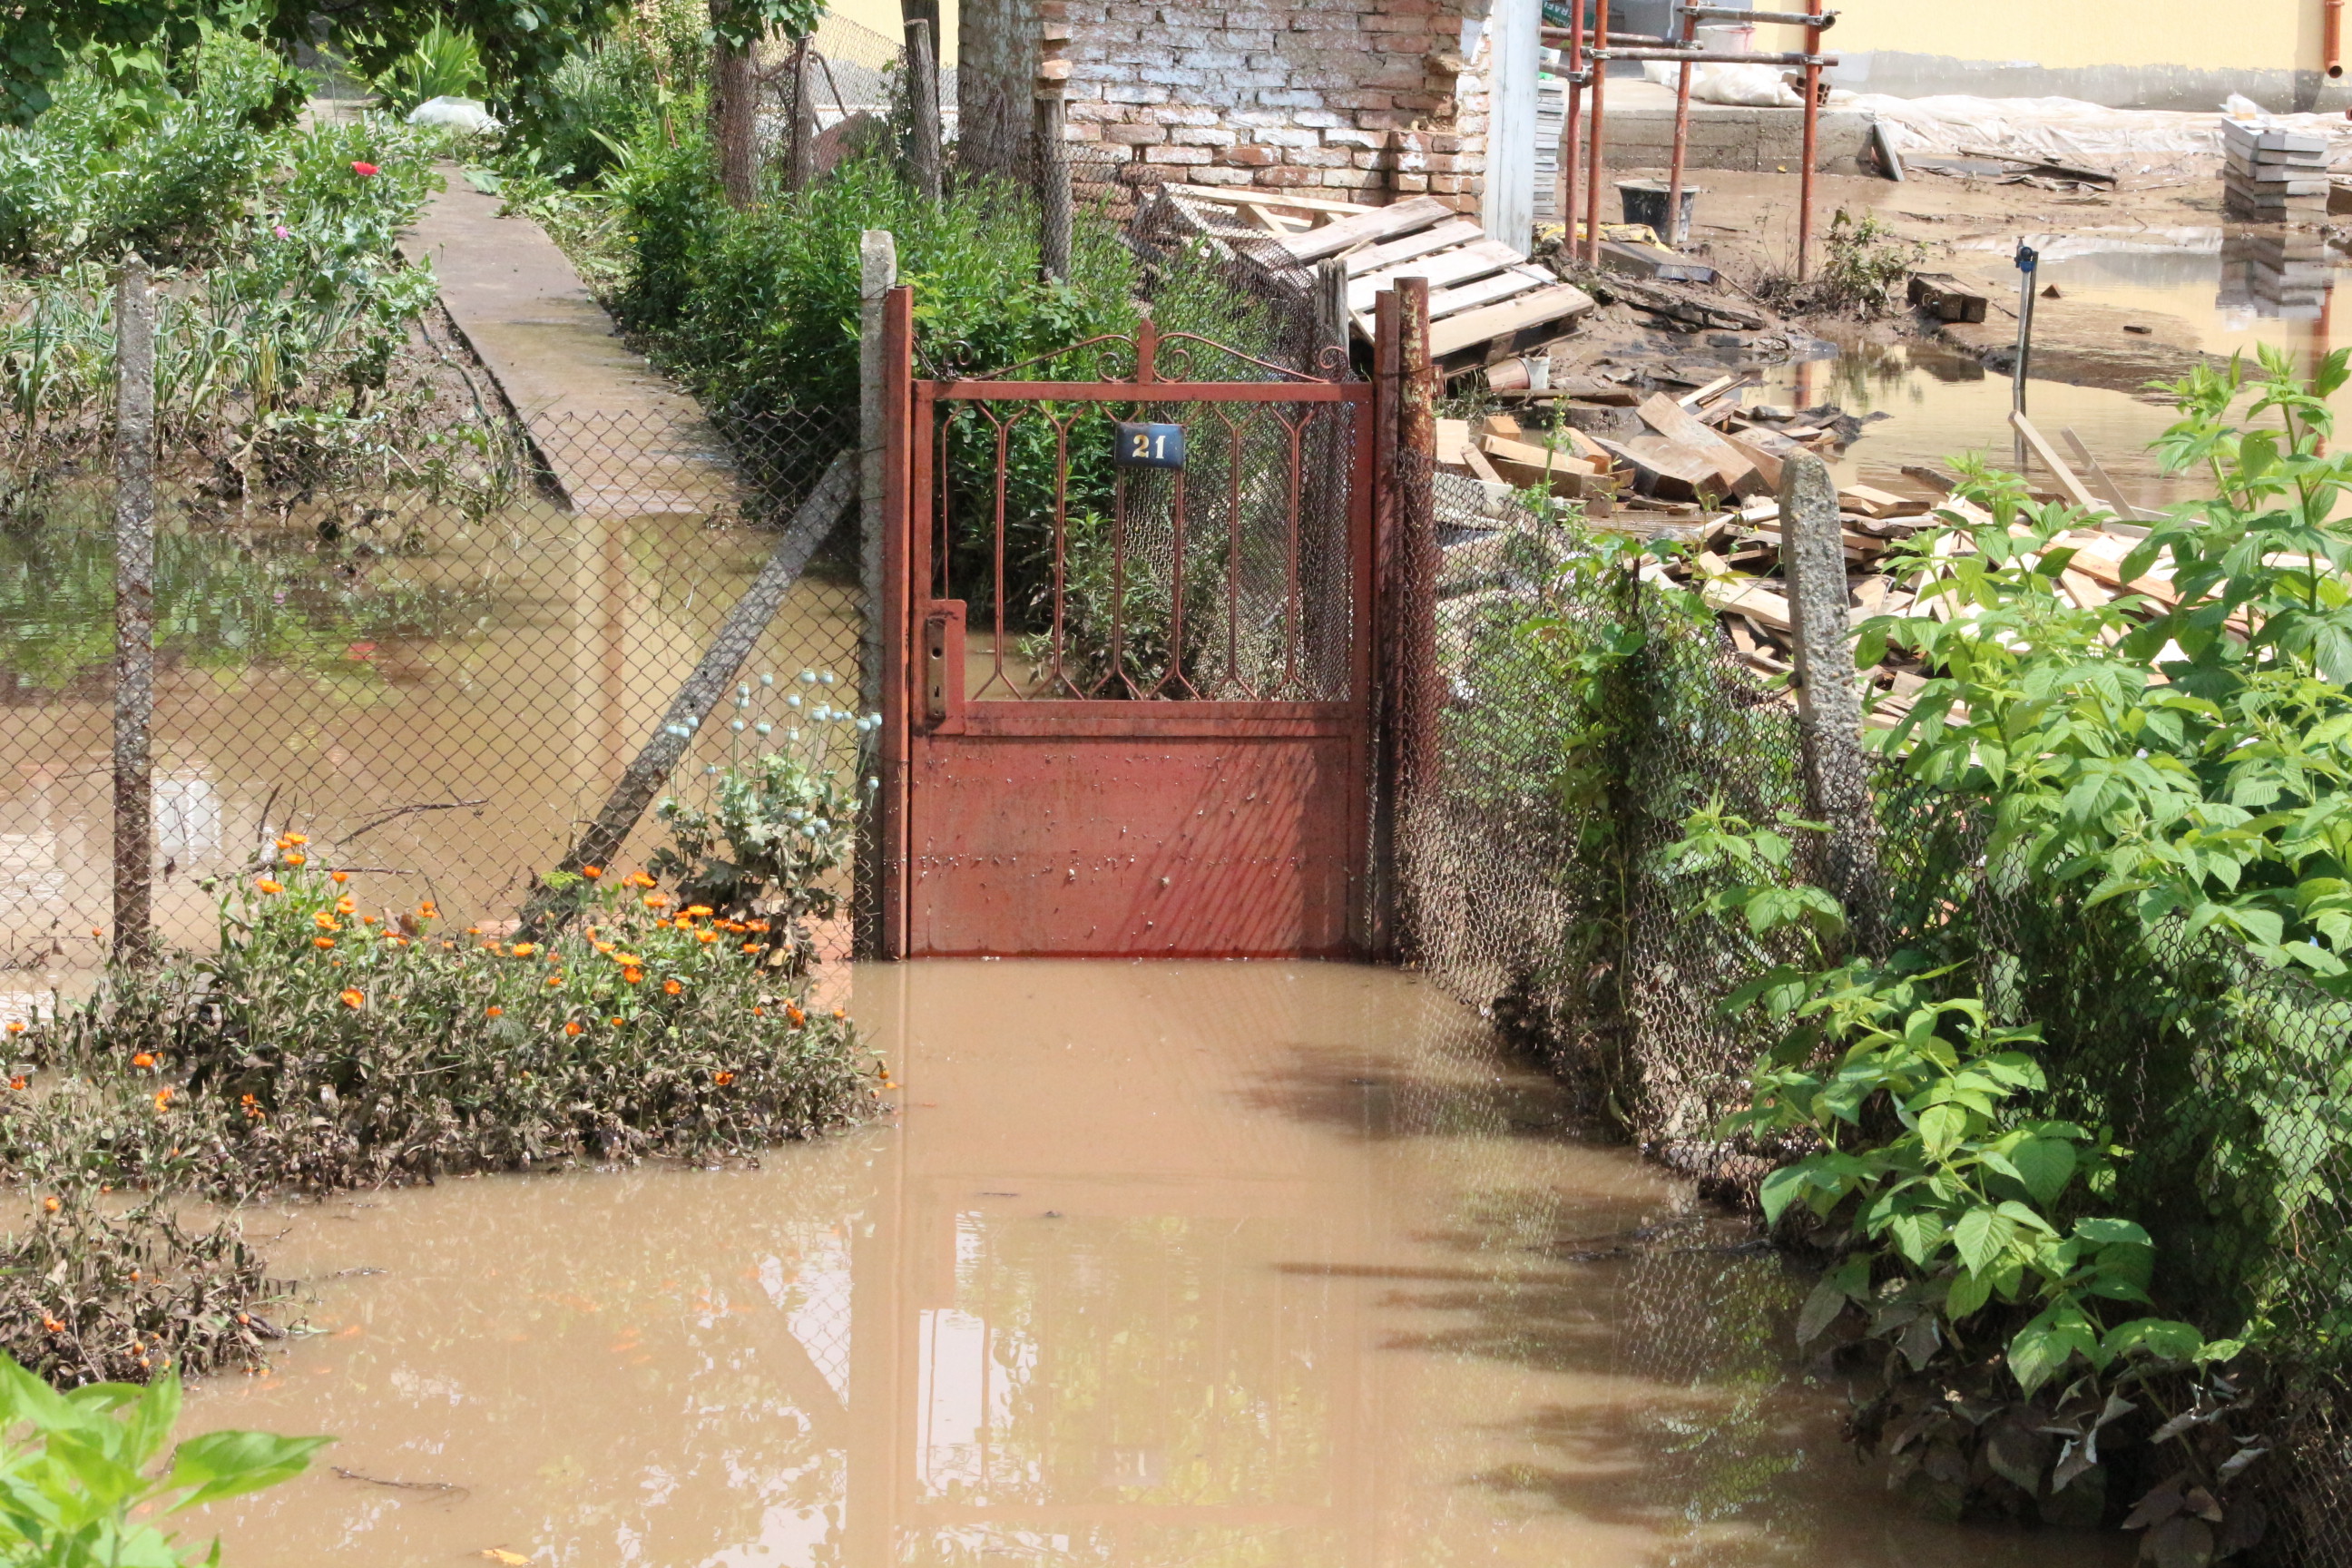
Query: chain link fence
[1586, 713]
[439, 688]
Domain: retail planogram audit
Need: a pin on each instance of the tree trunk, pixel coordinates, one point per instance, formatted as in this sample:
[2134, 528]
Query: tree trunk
[734, 108]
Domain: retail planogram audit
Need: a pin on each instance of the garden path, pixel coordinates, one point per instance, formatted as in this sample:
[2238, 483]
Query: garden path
[619, 440]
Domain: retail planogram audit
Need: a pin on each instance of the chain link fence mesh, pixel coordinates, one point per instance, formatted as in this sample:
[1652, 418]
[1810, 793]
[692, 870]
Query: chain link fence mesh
[1586, 713]
[439, 691]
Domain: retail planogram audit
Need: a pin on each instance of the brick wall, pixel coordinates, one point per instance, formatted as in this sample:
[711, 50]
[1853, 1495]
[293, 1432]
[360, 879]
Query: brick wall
[1356, 100]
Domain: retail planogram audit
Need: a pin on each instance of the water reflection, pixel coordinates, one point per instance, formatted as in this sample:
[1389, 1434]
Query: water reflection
[1162, 1265]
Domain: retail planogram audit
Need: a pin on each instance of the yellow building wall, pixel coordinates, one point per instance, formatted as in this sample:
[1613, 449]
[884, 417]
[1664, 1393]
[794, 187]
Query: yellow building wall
[882, 17]
[2204, 35]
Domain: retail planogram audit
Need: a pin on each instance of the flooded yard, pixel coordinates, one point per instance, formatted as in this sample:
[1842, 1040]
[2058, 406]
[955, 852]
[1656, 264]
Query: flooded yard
[1154, 1265]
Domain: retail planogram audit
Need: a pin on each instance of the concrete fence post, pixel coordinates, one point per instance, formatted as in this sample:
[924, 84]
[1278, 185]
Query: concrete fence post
[134, 617]
[1829, 701]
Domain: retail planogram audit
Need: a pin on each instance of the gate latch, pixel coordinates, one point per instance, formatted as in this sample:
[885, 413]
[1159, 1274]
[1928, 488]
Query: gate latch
[942, 651]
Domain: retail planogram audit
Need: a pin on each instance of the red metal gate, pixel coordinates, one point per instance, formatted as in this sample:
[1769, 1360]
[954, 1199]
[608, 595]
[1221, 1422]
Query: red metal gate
[1129, 706]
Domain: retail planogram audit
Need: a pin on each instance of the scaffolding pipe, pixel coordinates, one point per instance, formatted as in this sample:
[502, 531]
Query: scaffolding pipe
[1718, 56]
[1593, 162]
[1759, 18]
[1674, 235]
[1631, 40]
[1570, 161]
[1813, 139]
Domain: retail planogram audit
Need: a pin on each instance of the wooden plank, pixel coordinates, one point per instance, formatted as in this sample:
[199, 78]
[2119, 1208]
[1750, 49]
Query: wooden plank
[1369, 229]
[1475, 461]
[1670, 419]
[1453, 436]
[1946, 298]
[1545, 305]
[1878, 503]
[1512, 281]
[1720, 383]
[2099, 477]
[1768, 464]
[1245, 196]
[2076, 489]
[1676, 472]
[1744, 596]
[1372, 258]
[1456, 266]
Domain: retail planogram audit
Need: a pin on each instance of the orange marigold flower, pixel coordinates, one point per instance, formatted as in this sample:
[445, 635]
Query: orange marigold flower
[323, 943]
[494, 1012]
[298, 859]
[555, 980]
[630, 959]
[15, 1025]
[17, 1081]
[757, 925]
[143, 1059]
[838, 1015]
[429, 910]
[656, 900]
[346, 905]
[604, 947]
[615, 1022]
[751, 947]
[573, 1027]
[163, 1099]
[633, 975]
[293, 839]
[524, 950]
[695, 911]
[681, 923]
[671, 987]
[267, 886]
[591, 872]
[367, 919]
[759, 1012]
[637, 880]
[51, 1204]
[324, 921]
[353, 998]
[723, 1079]
[794, 1016]
[52, 1325]
[706, 936]
[339, 878]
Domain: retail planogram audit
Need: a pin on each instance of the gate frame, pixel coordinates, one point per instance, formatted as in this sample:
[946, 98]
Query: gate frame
[1390, 648]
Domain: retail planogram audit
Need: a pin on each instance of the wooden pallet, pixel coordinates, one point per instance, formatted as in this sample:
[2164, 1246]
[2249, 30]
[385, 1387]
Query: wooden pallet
[1484, 297]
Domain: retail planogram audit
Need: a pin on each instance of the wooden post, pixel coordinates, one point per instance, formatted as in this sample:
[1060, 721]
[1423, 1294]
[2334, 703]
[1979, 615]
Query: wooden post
[1052, 190]
[1411, 603]
[803, 164]
[1331, 320]
[734, 109]
[877, 267]
[923, 98]
[134, 617]
[1829, 703]
[1514, 54]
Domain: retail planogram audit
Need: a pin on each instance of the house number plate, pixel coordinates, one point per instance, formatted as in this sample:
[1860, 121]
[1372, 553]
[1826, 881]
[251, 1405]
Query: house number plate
[1141, 446]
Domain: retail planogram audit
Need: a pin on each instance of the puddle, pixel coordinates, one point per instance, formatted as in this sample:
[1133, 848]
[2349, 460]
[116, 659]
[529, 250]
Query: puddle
[2236, 289]
[496, 674]
[1160, 1264]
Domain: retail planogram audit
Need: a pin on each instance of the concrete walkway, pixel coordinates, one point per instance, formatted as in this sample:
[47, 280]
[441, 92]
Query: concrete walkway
[620, 441]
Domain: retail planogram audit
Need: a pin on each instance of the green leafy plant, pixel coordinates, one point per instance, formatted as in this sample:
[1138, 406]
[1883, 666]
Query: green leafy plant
[76, 1487]
[442, 63]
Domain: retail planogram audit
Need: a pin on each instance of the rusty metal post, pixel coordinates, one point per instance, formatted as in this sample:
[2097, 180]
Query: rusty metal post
[1594, 161]
[134, 617]
[1829, 704]
[1386, 420]
[1569, 152]
[923, 98]
[899, 670]
[1812, 141]
[1052, 189]
[1674, 235]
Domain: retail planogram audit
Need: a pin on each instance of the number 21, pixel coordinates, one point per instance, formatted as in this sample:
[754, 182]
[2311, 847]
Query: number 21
[1146, 444]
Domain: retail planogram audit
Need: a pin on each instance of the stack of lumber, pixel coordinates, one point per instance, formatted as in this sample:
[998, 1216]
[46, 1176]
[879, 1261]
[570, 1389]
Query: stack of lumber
[1487, 300]
[2274, 176]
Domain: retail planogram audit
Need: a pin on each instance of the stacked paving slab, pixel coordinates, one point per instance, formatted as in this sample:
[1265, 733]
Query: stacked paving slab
[2276, 272]
[2274, 176]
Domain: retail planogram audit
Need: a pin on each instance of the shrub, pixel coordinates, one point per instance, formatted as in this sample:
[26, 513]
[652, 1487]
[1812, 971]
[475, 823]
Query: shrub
[77, 1488]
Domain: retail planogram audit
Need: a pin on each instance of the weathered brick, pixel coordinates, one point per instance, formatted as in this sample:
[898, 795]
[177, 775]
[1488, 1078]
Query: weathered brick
[1184, 156]
[1079, 108]
[1318, 157]
[1288, 136]
[1134, 135]
[1360, 97]
[1175, 75]
[1353, 180]
[1444, 141]
[1178, 114]
[1216, 175]
[1290, 98]
[1408, 185]
[1449, 184]
[1211, 59]
[1249, 157]
[1364, 160]
[1342, 136]
[1283, 177]
[1135, 92]
[1203, 136]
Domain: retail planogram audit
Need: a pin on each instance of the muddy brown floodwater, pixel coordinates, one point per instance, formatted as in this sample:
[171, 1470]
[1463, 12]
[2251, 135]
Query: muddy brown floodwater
[1158, 1263]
